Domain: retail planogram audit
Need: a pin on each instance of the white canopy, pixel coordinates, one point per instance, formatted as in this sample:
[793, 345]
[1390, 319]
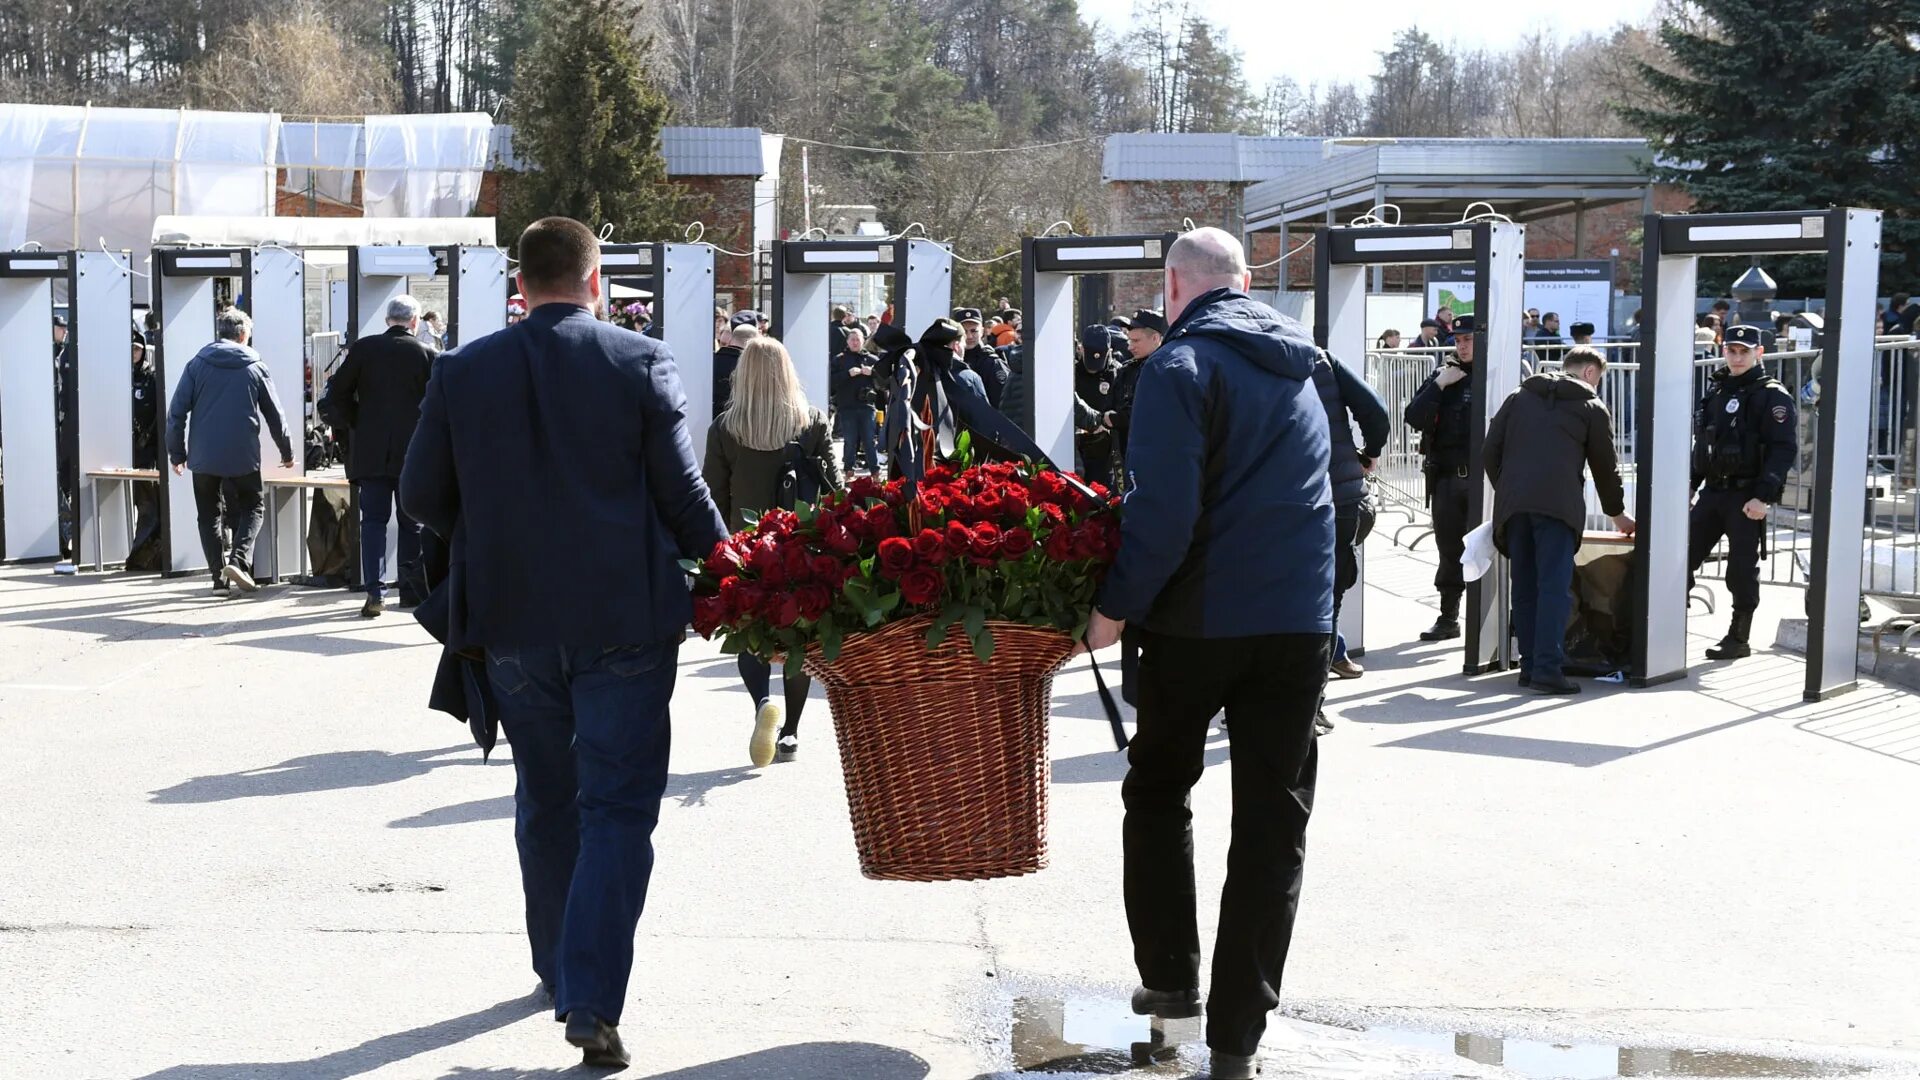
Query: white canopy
[297, 232]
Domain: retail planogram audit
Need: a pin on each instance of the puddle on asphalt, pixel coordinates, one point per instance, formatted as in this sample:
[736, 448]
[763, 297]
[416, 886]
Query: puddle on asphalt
[1604, 1061]
[1103, 1037]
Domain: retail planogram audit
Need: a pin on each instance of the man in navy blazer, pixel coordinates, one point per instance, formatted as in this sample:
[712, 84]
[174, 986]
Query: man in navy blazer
[554, 457]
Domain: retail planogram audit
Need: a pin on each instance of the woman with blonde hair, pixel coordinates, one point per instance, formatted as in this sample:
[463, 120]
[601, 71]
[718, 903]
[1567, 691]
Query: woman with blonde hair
[769, 448]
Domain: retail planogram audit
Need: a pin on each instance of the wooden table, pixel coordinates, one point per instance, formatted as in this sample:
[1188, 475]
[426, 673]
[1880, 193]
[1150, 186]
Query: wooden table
[125, 479]
[275, 488]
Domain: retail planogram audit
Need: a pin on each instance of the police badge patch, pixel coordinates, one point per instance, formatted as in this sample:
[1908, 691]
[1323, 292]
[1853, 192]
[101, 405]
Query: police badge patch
[1105, 386]
[1733, 405]
[1779, 414]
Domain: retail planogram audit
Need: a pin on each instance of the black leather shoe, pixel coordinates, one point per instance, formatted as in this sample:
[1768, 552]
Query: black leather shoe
[1554, 684]
[1233, 1066]
[1526, 680]
[372, 608]
[599, 1041]
[1730, 648]
[1166, 1004]
[1443, 629]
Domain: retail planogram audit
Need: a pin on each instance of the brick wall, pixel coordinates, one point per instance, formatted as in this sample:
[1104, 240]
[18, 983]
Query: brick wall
[1164, 206]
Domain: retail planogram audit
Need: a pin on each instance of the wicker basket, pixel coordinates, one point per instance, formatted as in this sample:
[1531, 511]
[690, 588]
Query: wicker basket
[945, 757]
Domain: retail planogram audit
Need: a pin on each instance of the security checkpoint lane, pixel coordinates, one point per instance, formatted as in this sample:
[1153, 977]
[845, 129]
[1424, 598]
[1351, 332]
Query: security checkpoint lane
[233, 834]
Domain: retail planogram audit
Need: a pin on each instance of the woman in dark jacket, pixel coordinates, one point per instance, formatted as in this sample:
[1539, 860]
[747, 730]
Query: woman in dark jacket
[748, 449]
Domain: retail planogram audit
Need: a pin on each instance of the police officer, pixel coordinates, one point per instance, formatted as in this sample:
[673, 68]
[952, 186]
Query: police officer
[981, 358]
[1096, 385]
[143, 554]
[1743, 445]
[1442, 412]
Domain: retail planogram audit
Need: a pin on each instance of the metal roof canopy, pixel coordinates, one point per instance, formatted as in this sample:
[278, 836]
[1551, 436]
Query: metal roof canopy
[1430, 180]
[1850, 239]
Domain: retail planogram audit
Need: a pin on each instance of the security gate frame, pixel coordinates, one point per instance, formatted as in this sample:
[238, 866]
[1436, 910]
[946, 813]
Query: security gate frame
[922, 272]
[1850, 239]
[1048, 266]
[1497, 251]
[681, 279]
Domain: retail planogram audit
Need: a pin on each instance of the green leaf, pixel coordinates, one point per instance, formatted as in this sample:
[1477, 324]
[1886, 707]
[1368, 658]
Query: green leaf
[796, 663]
[732, 645]
[1014, 596]
[963, 449]
[889, 602]
[943, 622]
[807, 513]
[983, 645]
[831, 639]
[691, 566]
[975, 621]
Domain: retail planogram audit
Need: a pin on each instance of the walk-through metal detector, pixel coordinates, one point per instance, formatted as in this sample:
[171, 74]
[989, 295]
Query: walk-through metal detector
[922, 273]
[1049, 265]
[680, 277]
[270, 286]
[95, 287]
[1497, 252]
[1850, 239]
[476, 286]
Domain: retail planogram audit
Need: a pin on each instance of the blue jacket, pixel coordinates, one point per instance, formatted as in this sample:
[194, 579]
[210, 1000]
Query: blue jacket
[1228, 526]
[225, 391]
[554, 456]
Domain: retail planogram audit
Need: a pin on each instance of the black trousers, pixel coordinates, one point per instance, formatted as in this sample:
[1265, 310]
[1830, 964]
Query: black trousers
[1096, 460]
[1452, 520]
[1269, 687]
[229, 506]
[1716, 514]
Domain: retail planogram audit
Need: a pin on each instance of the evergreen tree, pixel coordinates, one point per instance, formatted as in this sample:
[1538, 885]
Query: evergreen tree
[1793, 105]
[586, 127]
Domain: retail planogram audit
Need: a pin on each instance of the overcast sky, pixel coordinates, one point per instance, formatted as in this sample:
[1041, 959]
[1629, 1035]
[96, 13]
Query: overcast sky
[1323, 42]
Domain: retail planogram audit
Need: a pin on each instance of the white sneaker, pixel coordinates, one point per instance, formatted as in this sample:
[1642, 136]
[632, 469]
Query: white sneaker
[243, 580]
[789, 748]
[766, 725]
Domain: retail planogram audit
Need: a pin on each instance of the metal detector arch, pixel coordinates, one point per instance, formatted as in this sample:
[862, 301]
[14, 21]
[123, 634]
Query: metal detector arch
[1497, 251]
[1048, 265]
[1850, 239]
[923, 291]
[680, 277]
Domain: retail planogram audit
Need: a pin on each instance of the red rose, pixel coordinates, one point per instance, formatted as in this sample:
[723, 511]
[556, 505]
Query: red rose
[1059, 545]
[778, 523]
[1015, 543]
[922, 585]
[814, 600]
[839, 539]
[959, 537]
[825, 568]
[896, 492]
[1053, 513]
[864, 488]
[896, 556]
[931, 547]
[724, 562]
[748, 601]
[764, 557]
[939, 474]
[793, 559]
[782, 609]
[882, 523]
[708, 613]
[990, 505]
[964, 507]
[931, 501]
[986, 540]
[1048, 487]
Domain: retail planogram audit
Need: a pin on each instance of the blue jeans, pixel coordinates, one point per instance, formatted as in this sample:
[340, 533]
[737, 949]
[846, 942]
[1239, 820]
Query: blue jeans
[1541, 551]
[378, 503]
[860, 432]
[590, 735]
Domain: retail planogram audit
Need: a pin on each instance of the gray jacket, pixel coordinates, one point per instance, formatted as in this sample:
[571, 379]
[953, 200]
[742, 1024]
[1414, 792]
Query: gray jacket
[225, 390]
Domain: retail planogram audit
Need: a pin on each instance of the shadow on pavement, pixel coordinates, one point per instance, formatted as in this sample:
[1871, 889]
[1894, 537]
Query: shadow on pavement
[369, 1055]
[315, 772]
[691, 789]
[801, 1061]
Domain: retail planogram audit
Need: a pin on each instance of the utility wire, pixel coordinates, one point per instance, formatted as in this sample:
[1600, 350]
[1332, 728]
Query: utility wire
[945, 153]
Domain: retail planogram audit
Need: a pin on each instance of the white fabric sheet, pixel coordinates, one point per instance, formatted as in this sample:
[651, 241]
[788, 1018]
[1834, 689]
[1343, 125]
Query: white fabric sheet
[425, 165]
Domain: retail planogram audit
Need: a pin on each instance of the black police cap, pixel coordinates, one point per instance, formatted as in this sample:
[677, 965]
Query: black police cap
[942, 332]
[140, 339]
[1121, 322]
[1096, 338]
[1426, 324]
[964, 314]
[1752, 337]
[1149, 319]
[1581, 329]
[1463, 324]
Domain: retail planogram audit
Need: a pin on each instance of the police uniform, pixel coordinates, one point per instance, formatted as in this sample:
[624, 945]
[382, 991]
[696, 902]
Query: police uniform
[1444, 419]
[146, 455]
[1096, 392]
[1743, 445]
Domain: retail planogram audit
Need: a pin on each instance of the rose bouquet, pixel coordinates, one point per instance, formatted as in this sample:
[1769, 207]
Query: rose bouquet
[1003, 542]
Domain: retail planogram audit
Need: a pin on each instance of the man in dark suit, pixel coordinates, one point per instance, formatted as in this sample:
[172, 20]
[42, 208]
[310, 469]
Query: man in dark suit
[560, 444]
[375, 396]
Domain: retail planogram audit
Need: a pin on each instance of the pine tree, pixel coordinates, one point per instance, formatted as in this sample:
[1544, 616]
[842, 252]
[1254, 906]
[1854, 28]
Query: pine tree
[1793, 105]
[586, 126]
